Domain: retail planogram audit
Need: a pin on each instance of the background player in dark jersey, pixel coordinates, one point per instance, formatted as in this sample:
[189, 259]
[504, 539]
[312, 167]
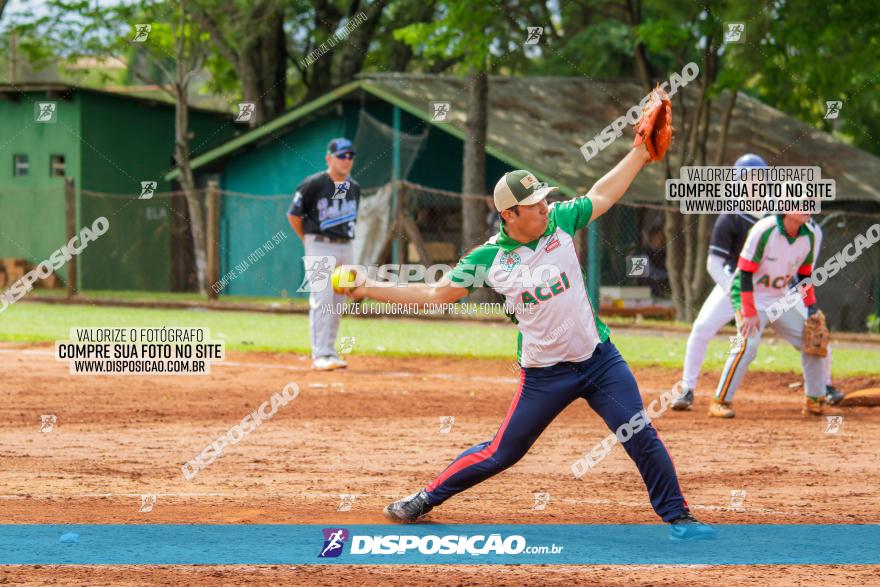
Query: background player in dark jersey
[728, 236]
[323, 214]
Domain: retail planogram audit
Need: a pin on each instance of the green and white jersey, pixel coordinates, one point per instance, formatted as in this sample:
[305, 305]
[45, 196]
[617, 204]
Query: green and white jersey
[774, 258]
[544, 287]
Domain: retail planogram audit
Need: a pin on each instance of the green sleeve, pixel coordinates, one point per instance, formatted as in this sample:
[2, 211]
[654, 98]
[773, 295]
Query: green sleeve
[472, 269]
[572, 215]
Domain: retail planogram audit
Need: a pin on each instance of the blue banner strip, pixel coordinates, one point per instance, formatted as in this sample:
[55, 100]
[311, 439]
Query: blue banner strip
[563, 544]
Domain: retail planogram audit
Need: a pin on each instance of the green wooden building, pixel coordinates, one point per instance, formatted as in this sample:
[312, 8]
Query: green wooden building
[107, 143]
[537, 123]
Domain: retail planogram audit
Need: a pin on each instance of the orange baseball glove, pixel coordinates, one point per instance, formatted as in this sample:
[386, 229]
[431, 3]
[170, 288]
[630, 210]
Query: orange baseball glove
[654, 127]
[815, 341]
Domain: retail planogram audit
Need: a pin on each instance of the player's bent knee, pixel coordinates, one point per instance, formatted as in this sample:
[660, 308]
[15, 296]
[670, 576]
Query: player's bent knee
[703, 331]
[508, 459]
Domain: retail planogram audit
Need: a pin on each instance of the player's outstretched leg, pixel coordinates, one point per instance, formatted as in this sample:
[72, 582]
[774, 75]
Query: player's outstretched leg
[742, 353]
[612, 392]
[832, 394]
[715, 313]
[790, 326]
[543, 393]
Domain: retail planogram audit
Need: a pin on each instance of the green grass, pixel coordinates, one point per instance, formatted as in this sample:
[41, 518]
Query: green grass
[29, 322]
[468, 311]
[159, 296]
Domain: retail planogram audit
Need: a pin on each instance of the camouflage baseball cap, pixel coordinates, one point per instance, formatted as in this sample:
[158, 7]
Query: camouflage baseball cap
[520, 188]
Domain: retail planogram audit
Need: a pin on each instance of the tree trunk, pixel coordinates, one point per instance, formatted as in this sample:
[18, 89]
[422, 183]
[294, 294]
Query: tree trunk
[319, 74]
[356, 45]
[473, 210]
[687, 240]
[186, 64]
[401, 53]
[320, 80]
[273, 60]
[643, 68]
[672, 227]
[261, 64]
[187, 182]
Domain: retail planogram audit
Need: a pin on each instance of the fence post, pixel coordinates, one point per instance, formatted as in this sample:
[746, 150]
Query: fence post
[595, 264]
[402, 209]
[395, 179]
[70, 225]
[212, 237]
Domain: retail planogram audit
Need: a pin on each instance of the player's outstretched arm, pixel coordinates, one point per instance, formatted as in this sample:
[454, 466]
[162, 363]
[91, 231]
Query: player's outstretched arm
[442, 292]
[611, 187]
[716, 269]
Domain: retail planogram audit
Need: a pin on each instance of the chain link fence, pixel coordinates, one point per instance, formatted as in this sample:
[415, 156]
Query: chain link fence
[631, 253]
[149, 246]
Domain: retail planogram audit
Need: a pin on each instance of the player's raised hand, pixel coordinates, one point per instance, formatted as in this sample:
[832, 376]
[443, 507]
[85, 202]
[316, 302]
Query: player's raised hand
[346, 279]
[357, 293]
[654, 128]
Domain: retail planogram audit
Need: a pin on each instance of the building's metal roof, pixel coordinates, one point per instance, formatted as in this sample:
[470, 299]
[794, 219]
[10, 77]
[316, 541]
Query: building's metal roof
[149, 95]
[540, 123]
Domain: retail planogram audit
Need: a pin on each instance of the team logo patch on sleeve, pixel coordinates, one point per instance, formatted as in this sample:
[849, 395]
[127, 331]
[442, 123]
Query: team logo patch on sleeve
[510, 261]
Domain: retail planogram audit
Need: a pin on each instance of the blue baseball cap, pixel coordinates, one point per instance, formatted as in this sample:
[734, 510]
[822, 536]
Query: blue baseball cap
[339, 146]
[750, 160]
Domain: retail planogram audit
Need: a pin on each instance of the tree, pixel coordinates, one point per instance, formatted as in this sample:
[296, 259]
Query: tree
[175, 46]
[480, 40]
[322, 72]
[800, 65]
[250, 37]
[681, 35]
[189, 55]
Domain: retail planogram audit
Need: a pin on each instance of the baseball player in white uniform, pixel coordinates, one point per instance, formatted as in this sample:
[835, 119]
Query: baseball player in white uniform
[564, 348]
[778, 248]
[728, 237]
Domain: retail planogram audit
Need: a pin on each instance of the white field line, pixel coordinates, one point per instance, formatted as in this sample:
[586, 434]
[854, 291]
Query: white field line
[511, 380]
[336, 496]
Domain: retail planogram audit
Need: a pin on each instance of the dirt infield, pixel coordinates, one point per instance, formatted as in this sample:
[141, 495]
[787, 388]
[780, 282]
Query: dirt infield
[373, 430]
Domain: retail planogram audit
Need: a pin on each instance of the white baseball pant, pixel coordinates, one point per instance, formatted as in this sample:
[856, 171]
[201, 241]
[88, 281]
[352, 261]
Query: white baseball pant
[715, 313]
[323, 301]
[789, 326]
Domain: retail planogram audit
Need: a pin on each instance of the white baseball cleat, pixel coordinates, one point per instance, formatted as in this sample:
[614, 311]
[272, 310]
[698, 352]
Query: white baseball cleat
[339, 363]
[324, 364]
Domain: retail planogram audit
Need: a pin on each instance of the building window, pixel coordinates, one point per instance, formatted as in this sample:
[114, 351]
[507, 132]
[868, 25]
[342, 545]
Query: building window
[56, 166]
[21, 166]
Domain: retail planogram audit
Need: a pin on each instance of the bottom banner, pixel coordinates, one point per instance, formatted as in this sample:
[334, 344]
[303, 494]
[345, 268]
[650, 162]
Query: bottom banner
[559, 544]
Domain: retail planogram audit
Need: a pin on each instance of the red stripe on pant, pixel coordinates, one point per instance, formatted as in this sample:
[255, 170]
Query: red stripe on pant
[487, 452]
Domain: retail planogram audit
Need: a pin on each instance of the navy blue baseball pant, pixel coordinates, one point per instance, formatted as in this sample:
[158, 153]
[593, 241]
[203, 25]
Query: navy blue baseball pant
[608, 385]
